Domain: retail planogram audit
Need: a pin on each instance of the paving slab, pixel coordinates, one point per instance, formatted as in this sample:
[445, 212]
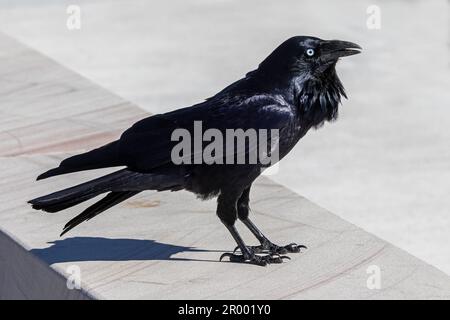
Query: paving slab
[160, 245]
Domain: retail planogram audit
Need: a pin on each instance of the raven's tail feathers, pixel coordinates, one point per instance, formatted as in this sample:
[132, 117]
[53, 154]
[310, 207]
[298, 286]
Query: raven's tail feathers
[69, 197]
[107, 202]
[121, 185]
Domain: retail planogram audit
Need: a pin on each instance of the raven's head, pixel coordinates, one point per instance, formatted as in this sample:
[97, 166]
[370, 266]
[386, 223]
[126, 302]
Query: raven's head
[307, 65]
[308, 57]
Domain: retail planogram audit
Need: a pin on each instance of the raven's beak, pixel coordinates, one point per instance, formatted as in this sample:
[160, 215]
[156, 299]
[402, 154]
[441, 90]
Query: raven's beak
[332, 50]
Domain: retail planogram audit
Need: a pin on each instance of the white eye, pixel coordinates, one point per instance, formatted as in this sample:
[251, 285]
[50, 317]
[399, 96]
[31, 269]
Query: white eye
[310, 52]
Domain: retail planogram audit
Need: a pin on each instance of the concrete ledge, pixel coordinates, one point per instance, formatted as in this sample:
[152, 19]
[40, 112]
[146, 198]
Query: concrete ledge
[24, 276]
[160, 245]
[166, 246]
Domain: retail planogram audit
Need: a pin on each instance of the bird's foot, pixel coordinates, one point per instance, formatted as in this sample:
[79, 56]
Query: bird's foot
[271, 248]
[254, 258]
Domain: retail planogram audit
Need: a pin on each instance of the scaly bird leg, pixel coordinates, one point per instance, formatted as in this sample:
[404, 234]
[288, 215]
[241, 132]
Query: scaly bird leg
[248, 255]
[266, 245]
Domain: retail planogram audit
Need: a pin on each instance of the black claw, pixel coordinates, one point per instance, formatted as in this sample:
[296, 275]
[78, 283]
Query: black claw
[255, 259]
[275, 259]
[294, 248]
[275, 254]
[226, 254]
[274, 249]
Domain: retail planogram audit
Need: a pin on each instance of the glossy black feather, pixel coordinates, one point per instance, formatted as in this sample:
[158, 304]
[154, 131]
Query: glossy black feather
[289, 91]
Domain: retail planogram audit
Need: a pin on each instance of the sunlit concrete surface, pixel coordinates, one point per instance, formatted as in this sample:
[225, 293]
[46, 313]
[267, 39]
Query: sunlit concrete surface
[385, 165]
[161, 245]
[166, 246]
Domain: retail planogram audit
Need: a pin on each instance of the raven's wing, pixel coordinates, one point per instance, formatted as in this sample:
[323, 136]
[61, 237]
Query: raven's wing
[148, 145]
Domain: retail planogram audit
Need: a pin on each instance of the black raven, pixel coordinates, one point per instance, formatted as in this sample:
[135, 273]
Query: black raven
[294, 89]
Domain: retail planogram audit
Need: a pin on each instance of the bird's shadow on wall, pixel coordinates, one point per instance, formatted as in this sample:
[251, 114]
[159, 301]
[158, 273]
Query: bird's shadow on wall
[106, 249]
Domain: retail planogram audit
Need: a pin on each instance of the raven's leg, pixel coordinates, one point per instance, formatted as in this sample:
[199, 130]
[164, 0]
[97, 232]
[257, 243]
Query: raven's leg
[266, 244]
[227, 212]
